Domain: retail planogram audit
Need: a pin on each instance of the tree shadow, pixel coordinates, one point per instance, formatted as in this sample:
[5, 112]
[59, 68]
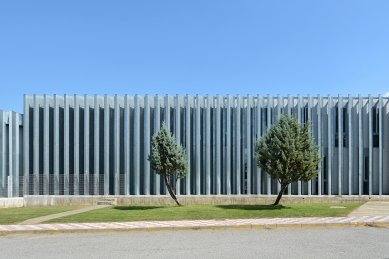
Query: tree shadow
[252, 207]
[131, 207]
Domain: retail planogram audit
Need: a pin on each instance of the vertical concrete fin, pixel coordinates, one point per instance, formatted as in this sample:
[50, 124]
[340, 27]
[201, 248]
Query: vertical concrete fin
[380, 147]
[340, 145]
[238, 145]
[299, 118]
[116, 145]
[269, 124]
[310, 119]
[126, 145]
[279, 108]
[208, 101]
[146, 147]
[86, 145]
[157, 125]
[76, 153]
[15, 154]
[36, 145]
[46, 146]
[360, 145]
[10, 152]
[96, 144]
[248, 156]
[56, 146]
[66, 145]
[330, 145]
[228, 146]
[188, 144]
[177, 131]
[370, 111]
[198, 143]
[218, 145]
[259, 135]
[26, 145]
[106, 144]
[320, 143]
[350, 144]
[136, 145]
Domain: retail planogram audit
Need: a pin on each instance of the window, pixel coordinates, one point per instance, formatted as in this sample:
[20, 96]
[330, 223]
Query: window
[265, 118]
[376, 126]
[325, 176]
[344, 125]
[366, 176]
[293, 113]
[304, 115]
[282, 111]
[324, 169]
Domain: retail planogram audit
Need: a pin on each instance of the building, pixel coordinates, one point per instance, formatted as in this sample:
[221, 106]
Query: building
[98, 145]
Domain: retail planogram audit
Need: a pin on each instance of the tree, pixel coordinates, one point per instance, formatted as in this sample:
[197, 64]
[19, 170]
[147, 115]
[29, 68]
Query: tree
[287, 153]
[168, 159]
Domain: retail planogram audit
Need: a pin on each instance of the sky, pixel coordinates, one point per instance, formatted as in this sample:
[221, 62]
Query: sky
[192, 47]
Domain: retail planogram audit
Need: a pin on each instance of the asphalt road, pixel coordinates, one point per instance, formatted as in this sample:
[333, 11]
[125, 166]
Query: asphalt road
[355, 242]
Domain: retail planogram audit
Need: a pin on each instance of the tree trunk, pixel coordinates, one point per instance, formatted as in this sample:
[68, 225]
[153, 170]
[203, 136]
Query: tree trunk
[283, 187]
[171, 190]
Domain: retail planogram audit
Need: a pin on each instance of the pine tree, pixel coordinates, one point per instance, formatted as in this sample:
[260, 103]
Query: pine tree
[287, 153]
[168, 159]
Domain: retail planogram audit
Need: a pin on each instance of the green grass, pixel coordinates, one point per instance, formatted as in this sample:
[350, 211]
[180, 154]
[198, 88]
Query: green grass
[140, 213]
[17, 215]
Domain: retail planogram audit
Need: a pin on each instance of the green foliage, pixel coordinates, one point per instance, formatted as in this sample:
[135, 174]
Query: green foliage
[287, 152]
[167, 157]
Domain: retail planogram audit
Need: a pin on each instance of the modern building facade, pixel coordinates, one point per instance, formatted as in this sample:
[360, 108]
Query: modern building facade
[98, 145]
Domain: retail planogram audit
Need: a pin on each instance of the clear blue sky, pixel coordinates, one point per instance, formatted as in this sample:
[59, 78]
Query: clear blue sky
[236, 47]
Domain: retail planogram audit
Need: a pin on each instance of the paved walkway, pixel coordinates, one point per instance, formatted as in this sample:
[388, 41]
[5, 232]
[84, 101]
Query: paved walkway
[266, 223]
[60, 215]
[372, 208]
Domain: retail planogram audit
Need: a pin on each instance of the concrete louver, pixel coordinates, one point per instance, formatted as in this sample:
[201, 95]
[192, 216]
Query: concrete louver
[98, 145]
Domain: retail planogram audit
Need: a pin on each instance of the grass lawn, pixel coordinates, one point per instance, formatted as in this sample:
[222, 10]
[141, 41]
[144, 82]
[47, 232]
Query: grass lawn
[17, 215]
[145, 213]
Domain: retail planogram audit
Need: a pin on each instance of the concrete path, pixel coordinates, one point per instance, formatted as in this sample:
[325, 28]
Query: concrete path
[264, 223]
[372, 208]
[60, 215]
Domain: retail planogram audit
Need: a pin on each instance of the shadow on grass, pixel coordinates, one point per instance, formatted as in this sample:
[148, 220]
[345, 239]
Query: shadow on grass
[252, 207]
[136, 207]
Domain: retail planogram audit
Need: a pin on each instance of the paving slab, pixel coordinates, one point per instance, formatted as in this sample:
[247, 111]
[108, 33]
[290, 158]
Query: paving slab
[372, 208]
[261, 223]
[62, 214]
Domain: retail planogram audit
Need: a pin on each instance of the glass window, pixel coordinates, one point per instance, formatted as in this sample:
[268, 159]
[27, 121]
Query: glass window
[376, 126]
[304, 115]
[344, 125]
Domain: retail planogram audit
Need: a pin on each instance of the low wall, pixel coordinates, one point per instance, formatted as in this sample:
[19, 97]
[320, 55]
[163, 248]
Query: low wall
[52, 200]
[41, 200]
[11, 202]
